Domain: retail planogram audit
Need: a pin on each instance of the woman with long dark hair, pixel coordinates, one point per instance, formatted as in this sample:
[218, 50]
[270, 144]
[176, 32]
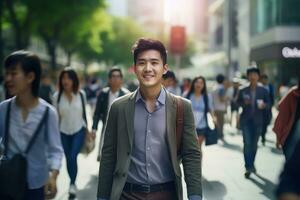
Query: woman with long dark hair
[201, 105]
[70, 102]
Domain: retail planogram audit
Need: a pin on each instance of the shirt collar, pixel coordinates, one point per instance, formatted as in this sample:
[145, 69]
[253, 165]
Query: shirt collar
[161, 98]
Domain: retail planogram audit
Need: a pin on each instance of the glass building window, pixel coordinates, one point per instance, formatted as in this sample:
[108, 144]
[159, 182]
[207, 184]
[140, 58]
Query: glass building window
[265, 14]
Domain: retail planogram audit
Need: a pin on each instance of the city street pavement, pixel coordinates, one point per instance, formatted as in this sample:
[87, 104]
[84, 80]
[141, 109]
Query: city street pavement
[223, 171]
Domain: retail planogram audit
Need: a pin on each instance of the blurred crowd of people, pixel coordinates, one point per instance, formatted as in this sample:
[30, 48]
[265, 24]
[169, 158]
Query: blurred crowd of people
[246, 105]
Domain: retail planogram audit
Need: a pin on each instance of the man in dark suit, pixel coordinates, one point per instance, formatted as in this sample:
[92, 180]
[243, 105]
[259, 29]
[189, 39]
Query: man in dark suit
[254, 99]
[105, 99]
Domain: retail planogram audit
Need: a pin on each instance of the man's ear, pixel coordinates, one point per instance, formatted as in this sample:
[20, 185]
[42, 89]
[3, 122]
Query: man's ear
[166, 68]
[30, 77]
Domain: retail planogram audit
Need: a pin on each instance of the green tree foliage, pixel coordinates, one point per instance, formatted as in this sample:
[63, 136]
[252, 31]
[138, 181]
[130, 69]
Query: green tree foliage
[65, 23]
[117, 45]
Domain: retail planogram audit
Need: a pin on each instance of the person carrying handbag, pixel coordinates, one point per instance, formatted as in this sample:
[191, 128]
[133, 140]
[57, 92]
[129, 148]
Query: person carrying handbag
[70, 103]
[32, 152]
[202, 106]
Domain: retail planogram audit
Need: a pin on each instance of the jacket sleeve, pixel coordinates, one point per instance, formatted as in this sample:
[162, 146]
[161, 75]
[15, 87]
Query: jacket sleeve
[98, 112]
[109, 154]
[191, 155]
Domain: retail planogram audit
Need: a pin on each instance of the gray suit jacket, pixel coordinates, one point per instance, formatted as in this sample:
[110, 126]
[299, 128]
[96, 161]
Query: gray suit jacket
[118, 143]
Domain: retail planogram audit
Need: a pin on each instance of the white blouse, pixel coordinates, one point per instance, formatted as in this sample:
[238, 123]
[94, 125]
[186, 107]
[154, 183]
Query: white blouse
[70, 113]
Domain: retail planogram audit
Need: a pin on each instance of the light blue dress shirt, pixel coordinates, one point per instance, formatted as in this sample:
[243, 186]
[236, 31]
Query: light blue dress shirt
[46, 153]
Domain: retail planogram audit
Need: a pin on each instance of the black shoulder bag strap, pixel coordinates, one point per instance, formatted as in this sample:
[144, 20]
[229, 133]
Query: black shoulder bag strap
[36, 133]
[83, 108]
[31, 142]
[206, 109]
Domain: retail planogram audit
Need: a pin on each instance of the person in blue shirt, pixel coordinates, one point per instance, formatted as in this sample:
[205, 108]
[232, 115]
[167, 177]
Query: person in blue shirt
[22, 79]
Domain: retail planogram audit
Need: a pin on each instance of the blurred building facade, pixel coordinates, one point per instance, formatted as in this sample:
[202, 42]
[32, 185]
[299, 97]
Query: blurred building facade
[274, 38]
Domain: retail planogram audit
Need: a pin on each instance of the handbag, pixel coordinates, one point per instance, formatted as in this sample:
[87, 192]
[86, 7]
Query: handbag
[211, 134]
[13, 172]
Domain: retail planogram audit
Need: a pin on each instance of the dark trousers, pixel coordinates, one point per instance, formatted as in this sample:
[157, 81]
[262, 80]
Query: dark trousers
[251, 133]
[72, 145]
[163, 195]
[35, 194]
[267, 117]
[220, 122]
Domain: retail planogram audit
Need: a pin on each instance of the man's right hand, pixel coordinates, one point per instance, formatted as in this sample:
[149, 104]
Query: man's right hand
[279, 146]
[93, 133]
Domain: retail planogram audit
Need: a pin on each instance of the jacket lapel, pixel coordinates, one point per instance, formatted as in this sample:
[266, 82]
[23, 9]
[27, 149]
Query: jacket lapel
[129, 114]
[171, 124]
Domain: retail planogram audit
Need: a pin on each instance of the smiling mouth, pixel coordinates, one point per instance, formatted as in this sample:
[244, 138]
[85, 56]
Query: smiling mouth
[148, 76]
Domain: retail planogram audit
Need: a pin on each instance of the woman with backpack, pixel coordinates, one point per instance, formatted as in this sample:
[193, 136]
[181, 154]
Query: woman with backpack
[32, 151]
[70, 103]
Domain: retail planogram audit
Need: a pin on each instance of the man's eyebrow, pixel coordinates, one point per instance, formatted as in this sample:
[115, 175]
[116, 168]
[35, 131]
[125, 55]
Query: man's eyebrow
[151, 59]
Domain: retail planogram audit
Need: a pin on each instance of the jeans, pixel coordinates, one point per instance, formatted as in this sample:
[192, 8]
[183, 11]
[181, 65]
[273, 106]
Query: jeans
[251, 133]
[35, 194]
[72, 145]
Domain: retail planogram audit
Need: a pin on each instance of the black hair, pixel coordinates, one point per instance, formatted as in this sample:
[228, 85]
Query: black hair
[192, 90]
[264, 76]
[253, 69]
[203, 92]
[169, 74]
[72, 75]
[114, 69]
[28, 62]
[144, 44]
[220, 78]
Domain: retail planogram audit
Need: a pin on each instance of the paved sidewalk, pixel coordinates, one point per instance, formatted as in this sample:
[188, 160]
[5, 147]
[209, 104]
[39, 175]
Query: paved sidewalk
[223, 172]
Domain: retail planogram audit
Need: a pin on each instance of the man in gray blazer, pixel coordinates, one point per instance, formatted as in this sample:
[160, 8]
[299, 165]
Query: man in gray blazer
[254, 99]
[139, 155]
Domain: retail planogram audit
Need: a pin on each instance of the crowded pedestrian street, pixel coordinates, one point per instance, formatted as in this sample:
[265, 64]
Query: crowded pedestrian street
[222, 168]
[150, 100]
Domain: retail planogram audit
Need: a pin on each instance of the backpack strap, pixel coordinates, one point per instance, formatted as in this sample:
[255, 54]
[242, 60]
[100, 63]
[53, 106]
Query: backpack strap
[179, 123]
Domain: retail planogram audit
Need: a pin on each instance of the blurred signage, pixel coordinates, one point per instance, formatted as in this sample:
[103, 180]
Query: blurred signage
[178, 40]
[290, 53]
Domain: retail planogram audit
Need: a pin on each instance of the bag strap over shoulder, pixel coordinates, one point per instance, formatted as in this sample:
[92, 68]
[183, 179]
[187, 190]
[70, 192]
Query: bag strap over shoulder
[179, 123]
[206, 107]
[7, 124]
[37, 131]
[83, 108]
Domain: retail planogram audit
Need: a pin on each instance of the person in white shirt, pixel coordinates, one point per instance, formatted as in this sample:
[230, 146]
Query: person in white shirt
[220, 101]
[69, 101]
[30, 117]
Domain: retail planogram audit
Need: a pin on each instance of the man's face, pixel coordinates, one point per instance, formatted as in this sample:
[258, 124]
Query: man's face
[253, 77]
[149, 68]
[67, 82]
[264, 81]
[16, 81]
[115, 81]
